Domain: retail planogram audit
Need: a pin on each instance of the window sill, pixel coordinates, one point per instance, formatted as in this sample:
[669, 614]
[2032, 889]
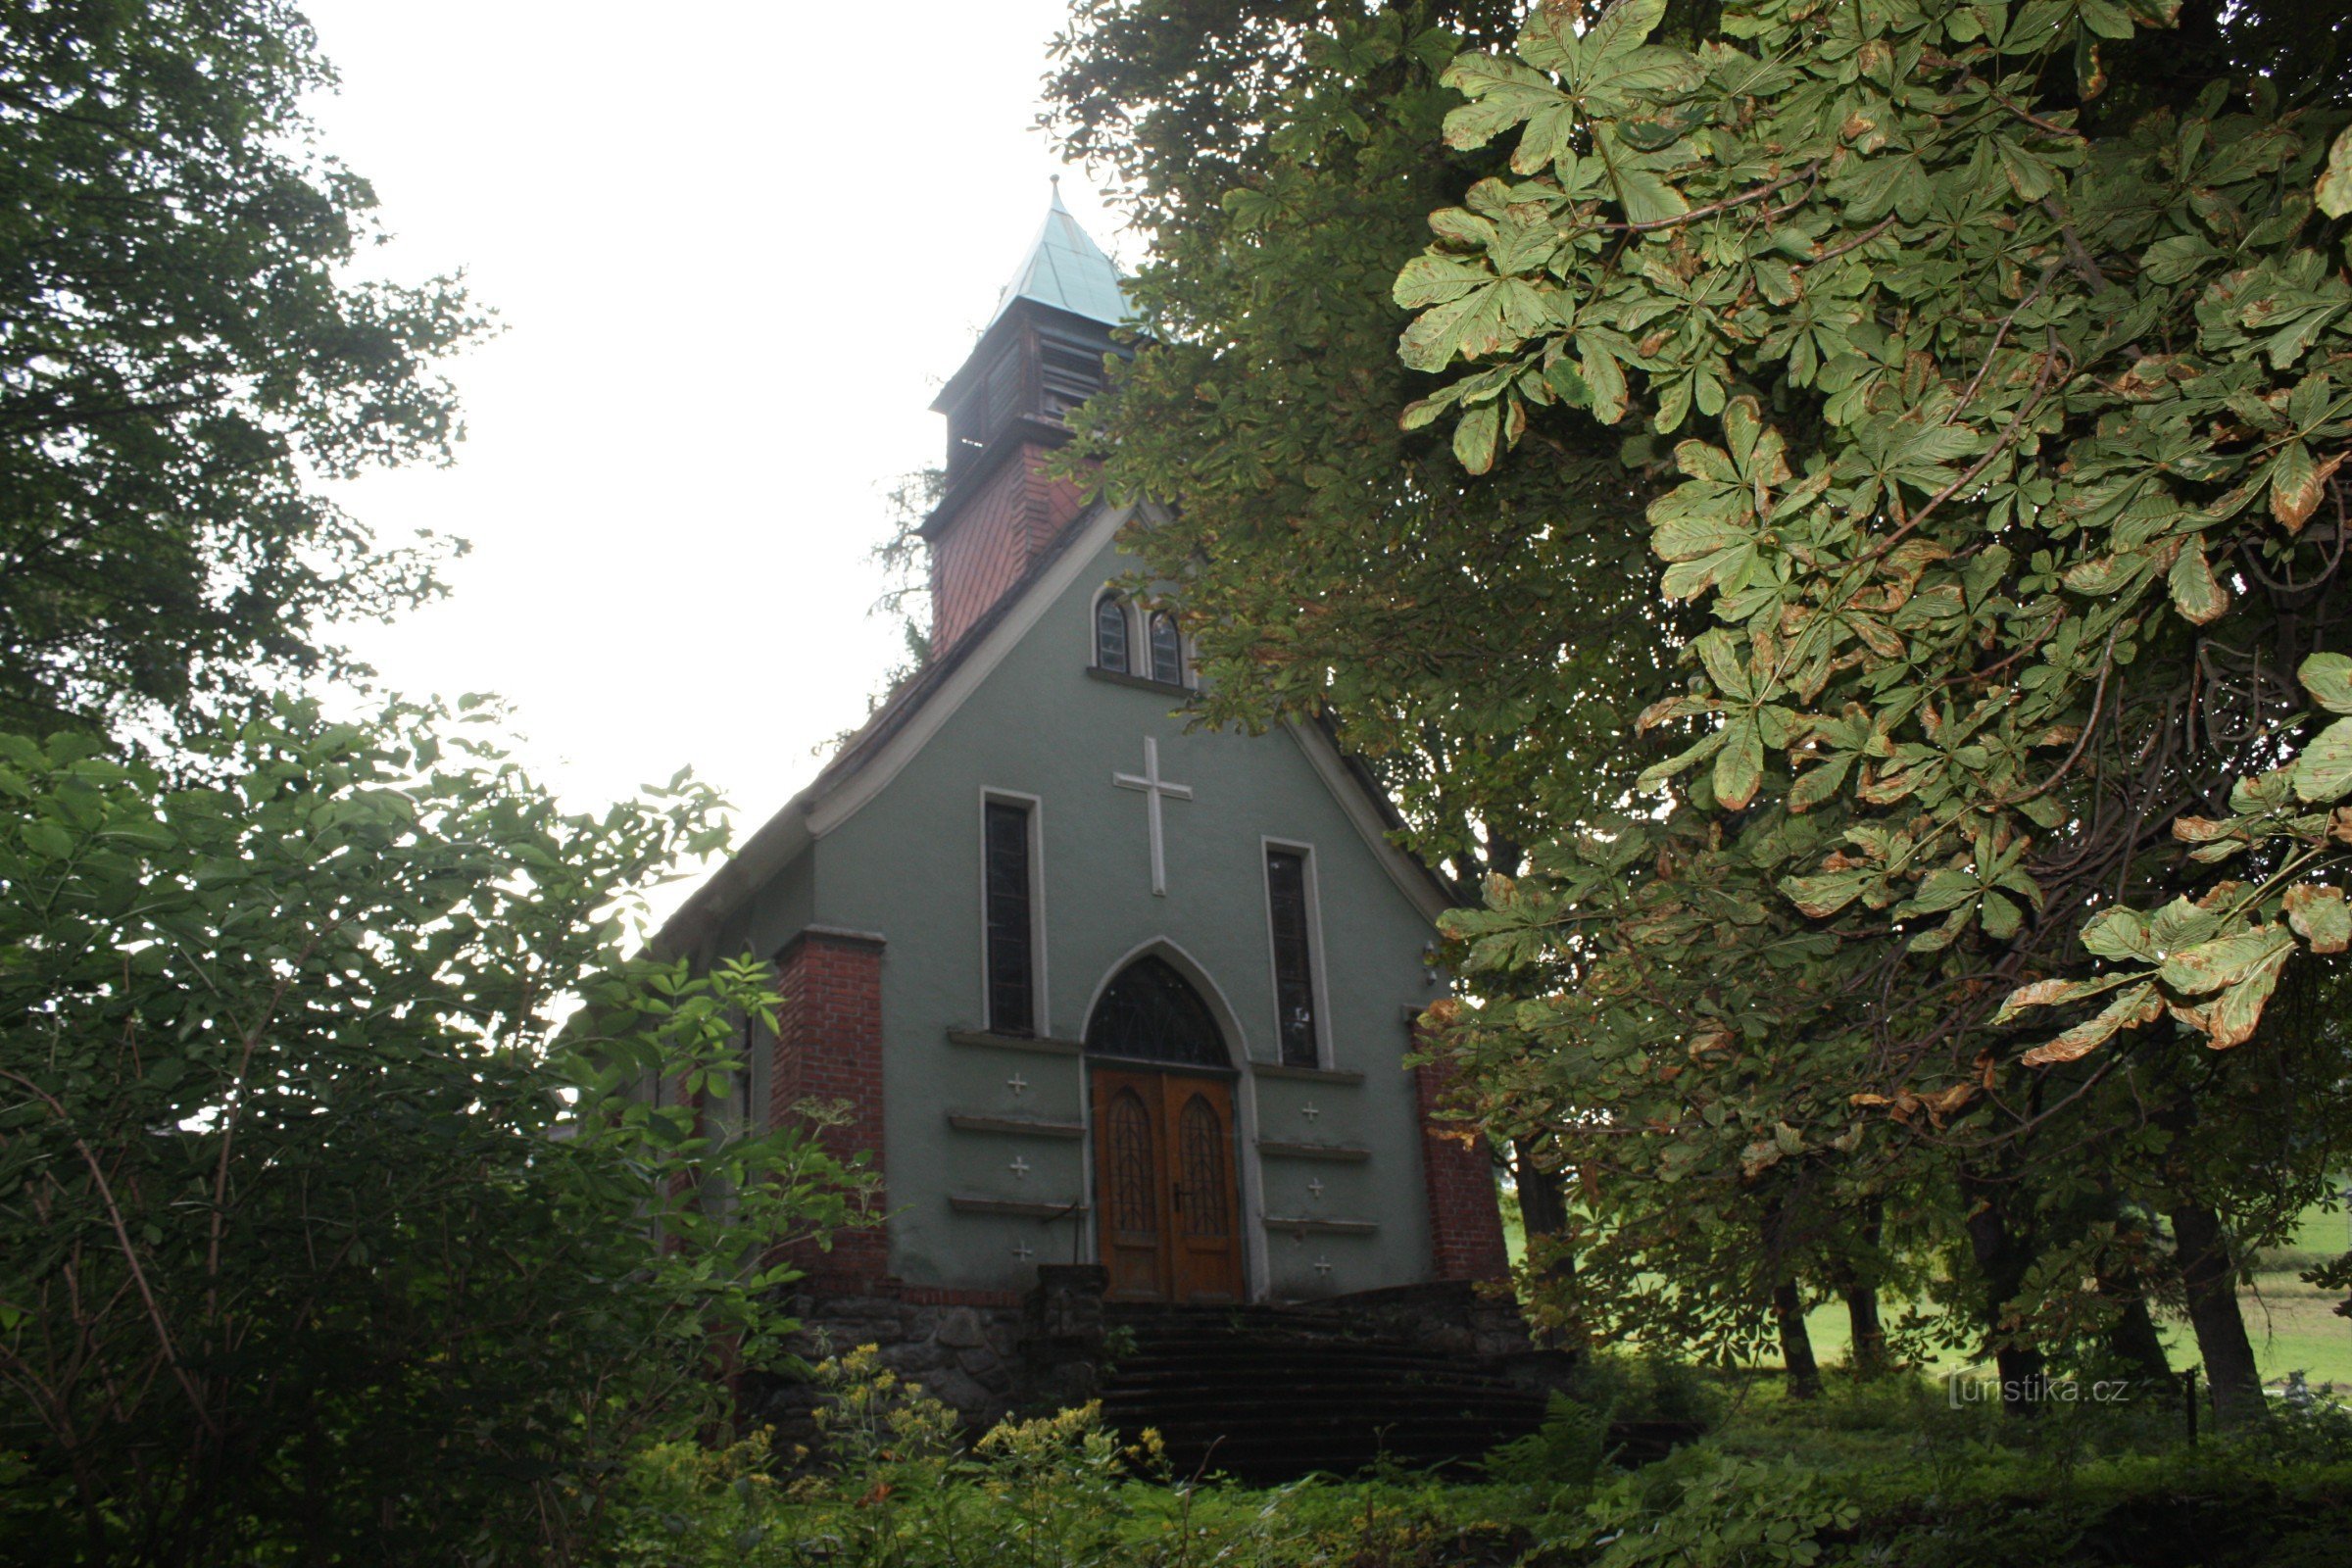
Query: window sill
[1345, 1154]
[1301, 1225]
[1119, 677]
[1022, 1126]
[1040, 1044]
[1013, 1207]
[1314, 1075]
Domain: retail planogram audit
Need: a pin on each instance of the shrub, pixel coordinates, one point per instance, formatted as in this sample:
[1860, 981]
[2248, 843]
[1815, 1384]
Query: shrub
[1719, 1512]
[314, 1244]
[1569, 1449]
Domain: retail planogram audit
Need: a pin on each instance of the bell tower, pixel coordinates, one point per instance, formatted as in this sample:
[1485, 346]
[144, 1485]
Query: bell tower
[1040, 355]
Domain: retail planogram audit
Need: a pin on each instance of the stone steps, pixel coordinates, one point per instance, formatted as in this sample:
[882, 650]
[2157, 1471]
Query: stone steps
[1270, 1394]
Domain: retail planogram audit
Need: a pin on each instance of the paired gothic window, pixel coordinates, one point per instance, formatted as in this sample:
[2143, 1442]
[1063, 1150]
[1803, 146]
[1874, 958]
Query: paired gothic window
[1167, 649]
[1148, 1013]
[1163, 644]
[1110, 633]
[1012, 938]
[1294, 957]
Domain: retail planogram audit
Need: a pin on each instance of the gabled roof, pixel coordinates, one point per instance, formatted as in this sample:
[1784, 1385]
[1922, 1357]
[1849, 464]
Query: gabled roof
[872, 756]
[1066, 269]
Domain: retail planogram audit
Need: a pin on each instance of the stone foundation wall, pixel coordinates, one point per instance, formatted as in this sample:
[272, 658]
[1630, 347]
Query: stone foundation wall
[987, 1356]
[984, 1354]
[966, 1355]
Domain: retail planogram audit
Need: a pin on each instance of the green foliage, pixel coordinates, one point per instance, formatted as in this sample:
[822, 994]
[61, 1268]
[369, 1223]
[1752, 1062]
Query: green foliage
[1648, 1387]
[1474, 641]
[2012, 366]
[314, 1242]
[184, 351]
[1569, 1448]
[2036, 381]
[1735, 1513]
[2007, 349]
[1883, 1473]
[888, 1487]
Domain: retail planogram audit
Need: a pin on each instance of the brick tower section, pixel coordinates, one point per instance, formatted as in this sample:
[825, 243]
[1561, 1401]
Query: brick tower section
[992, 538]
[1465, 1220]
[829, 1048]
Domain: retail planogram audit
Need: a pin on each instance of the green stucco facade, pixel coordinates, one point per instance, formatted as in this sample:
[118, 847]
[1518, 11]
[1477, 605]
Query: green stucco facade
[982, 1131]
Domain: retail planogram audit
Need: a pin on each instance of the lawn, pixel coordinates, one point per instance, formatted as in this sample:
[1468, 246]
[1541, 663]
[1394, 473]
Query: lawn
[2293, 1325]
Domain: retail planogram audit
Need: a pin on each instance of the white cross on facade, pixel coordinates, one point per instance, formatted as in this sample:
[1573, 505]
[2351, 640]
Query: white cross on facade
[1024, 1252]
[1017, 1083]
[1309, 1111]
[1020, 1168]
[1316, 1187]
[1153, 787]
[1322, 1266]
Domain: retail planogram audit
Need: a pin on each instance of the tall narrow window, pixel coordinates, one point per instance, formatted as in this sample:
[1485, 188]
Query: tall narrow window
[744, 1108]
[1294, 961]
[1110, 633]
[1167, 649]
[1011, 971]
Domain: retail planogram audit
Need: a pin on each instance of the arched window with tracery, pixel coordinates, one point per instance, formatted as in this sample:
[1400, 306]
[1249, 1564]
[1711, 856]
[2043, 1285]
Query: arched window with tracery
[1167, 649]
[1110, 633]
[1148, 1013]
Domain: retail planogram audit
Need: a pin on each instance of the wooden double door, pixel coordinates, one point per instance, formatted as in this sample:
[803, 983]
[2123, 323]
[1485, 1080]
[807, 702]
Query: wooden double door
[1165, 1192]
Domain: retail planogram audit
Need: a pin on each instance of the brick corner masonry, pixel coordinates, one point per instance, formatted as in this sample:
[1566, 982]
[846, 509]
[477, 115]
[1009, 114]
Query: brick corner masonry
[829, 1048]
[1465, 1221]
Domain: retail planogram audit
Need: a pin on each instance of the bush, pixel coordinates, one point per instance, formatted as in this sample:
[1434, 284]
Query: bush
[1896, 1477]
[1569, 1449]
[1713, 1510]
[313, 1245]
[888, 1487]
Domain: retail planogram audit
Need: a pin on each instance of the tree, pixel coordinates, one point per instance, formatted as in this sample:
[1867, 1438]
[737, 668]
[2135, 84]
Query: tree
[314, 1244]
[182, 354]
[1459, 636]
[1485, 646]
[2021, 369]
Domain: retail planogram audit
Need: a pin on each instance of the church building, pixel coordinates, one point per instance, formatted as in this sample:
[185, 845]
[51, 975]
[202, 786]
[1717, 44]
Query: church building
[1099, 987]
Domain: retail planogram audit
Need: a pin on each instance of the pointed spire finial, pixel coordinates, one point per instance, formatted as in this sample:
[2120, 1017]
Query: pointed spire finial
[1066, 269]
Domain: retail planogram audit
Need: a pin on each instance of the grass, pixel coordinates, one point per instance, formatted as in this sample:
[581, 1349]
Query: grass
[2293, 1325]
[2295, 1328]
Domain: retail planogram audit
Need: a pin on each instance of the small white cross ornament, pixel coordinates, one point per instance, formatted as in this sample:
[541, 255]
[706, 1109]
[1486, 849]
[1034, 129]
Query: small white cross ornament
[1155, 787]
[1020, 1168]
[1316, 1187]
[1017, 1083]
[1309, 1111]
[1322, 1266]
[1024, 1252]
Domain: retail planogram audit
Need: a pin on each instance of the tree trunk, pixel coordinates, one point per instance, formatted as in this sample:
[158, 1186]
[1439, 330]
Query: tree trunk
[1543, 1210]
[2003, 1255]
[1867, 1333]
[1860, 1289]
[1797, 1343]
[2134, 1340]
[2213, 1311]
[2131, 1339]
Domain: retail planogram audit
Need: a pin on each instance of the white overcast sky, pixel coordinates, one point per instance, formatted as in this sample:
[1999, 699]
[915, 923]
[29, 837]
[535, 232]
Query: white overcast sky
[735, 248]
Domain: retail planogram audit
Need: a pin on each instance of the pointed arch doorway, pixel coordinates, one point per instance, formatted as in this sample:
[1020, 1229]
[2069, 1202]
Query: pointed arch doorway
[1166, 1192]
